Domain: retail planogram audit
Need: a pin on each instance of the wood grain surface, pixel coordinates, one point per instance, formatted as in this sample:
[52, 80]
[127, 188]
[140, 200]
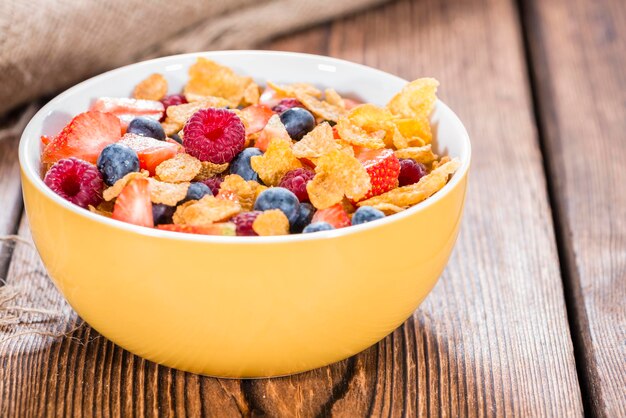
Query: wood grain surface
[493, 337]
[578, 51]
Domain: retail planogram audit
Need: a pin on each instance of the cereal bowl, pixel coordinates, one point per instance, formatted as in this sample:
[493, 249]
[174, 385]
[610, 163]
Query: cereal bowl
[243, 307]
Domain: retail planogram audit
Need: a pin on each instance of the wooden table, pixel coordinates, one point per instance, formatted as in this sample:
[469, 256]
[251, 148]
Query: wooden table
[528, 318]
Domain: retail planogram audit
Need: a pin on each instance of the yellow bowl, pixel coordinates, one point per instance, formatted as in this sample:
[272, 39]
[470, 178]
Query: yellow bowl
[243, 306]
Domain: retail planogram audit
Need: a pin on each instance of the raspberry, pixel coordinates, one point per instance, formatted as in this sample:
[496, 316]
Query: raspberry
[410, 172]
[76, 180]
[172, 100]
[286, 104]
[244, 222]
[296, 181]
[214, 184]
[215, 135]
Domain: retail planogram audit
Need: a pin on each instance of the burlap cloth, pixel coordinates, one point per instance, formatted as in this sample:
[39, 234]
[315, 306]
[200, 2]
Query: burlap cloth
[49, 45]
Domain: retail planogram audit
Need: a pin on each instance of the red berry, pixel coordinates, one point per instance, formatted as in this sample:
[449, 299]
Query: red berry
[335, 215]
[296, 181]
[383, 167]
[214, 184]
[133, 204]
[151, 152]
[256, 117]
[215, 135]
[128, 109]
[286, 104]
[244, 222]
[172, 100]
[410, 172]
[84, 137]
[77, 181]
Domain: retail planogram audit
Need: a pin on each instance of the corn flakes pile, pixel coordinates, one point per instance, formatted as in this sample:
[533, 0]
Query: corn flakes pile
[229, 157]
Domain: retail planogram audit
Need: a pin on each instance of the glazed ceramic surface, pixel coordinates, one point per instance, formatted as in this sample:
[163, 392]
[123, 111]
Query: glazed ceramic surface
[243, 306]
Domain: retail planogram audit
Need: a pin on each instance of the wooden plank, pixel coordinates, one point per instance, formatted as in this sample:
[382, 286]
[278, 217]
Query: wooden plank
[578, 51]
[491, 339]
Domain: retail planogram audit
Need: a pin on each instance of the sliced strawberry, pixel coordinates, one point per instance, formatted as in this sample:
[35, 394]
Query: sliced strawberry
[224, 228]
[173, 142]
[256, 117]
[335, 215]
[268, 97]
[383, 167]
[273, 129]
[133, 204]
[151, 152]
[128, 109]
[83, 138]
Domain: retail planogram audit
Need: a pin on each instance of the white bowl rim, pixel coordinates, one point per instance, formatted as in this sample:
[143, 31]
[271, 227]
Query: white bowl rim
[33, 172]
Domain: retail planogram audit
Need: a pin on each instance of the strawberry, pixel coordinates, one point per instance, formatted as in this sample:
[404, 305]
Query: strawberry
[83, 138]
[224, 228]
[128, 109]
[273, 129]
[45, 140]
[133, 204]
[335, 215]
[383, 167]
[256, 117]
[151, 152]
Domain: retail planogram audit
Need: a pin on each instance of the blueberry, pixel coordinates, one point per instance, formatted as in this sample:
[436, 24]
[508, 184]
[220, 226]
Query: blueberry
[298, 122]
[279, 198]
[115, 161]
[176, 138]
[162, 214]
[197, 191]
[305, 214]
[317, 226]
[241, 164]
[146, 127]
[366, 214]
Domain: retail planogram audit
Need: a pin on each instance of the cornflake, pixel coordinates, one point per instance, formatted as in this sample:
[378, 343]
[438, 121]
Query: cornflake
[371, 117]
[210, 79]
[410, 195]
[290, 90]
[209, 170]
[415, 102]
[332, 97]
[152, 88]
[234, 186]
[180, 114]
[251, 94]
[182, 167]
[277, 160]
[320, 108]
[355, 135]
[316, 143]
[422, 155]
[205, 211]
[167, 193]
[416, 130]
[114, 191]
[257, 188]
[271, 222]
[337, 174]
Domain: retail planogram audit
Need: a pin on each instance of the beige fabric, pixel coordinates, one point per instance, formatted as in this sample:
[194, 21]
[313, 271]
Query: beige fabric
[48, 45]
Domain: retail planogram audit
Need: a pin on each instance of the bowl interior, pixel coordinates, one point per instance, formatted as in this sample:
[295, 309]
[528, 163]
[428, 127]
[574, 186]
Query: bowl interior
[349, 79]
